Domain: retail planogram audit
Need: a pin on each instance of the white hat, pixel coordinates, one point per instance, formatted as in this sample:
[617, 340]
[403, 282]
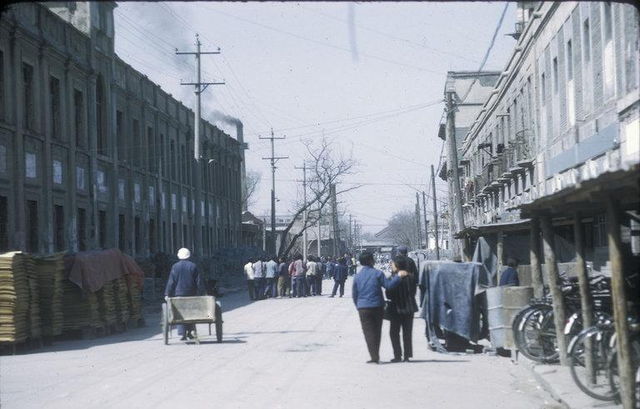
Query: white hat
[184, 253]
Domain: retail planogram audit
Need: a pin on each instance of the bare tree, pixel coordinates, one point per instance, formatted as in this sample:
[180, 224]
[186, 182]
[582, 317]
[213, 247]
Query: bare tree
[251, 185]
[401, 228]
[326, 168]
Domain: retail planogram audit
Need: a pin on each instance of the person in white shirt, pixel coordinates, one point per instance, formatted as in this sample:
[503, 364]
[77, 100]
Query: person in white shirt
[248, 273]
[312, 270]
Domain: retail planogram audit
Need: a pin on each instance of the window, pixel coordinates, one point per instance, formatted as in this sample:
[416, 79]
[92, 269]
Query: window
[54, 96]
[1, 85]
[184, 163]
[569, 61]
[136, 232]
[102, 228]
[122, 232]
[152, 236]
[58, 226]
[137, 144]
[172, 160]
[78, 108]
[586, 41]
[555, 75]
[600, 230]
[100, 107]
[185, 242]
[174, 235]
[163, 244]
[4, 224]
[32, 226]
[151, 152]
[120, 138]
[543, 89]
[27, 88]
[82, 229]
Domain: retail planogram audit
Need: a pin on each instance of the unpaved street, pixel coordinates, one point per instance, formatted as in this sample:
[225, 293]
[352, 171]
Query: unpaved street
[289, 353]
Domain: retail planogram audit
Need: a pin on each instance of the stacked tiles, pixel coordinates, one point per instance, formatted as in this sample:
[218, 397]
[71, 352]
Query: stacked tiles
[14, 298]
[122, 300]
[135, 302]
[50, 274]
[35, 330]
[107, 304]
[79, 310]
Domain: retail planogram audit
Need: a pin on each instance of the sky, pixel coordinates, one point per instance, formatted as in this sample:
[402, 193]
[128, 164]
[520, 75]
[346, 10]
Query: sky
[368, 76]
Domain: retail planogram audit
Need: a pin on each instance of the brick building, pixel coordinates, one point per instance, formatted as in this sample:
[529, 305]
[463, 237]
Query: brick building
[95, 155]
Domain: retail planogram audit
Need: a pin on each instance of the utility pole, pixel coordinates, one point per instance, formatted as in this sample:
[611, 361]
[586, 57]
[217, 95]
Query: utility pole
[426, 222]
[454, 184]
[419, 246]
[264, 235]
[197, 171]
[304, 213]
[274, 159]
[350, 234]
[319, 230]
[435, 213]
[334, 219]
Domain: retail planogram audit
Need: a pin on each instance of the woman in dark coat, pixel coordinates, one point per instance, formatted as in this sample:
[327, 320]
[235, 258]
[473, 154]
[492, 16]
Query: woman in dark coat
[402, 307]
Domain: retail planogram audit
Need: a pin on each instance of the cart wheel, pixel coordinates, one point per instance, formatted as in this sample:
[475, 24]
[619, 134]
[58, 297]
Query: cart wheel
[218, 323]
[165, 323]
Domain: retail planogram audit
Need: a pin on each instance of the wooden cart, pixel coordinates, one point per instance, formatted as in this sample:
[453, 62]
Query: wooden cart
[191, 310]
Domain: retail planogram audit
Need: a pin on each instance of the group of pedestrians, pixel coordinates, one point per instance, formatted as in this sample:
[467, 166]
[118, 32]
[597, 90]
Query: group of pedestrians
[280, 277]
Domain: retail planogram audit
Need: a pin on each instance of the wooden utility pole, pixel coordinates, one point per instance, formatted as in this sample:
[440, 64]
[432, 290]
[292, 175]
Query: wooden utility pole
[334, 219]
[619, 297]
[555, 286]
[418, 223]
[197, 171]
[454, 185]
[426, 222]
[304, 213]
[274, 159]
[435, 213]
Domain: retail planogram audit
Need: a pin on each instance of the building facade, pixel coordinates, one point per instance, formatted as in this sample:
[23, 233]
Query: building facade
[564, 110]
[95, 155]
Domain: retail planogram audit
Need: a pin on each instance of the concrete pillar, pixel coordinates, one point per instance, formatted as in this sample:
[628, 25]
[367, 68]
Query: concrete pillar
[619, 297]
[534, 255]
[499, 255]
[46, 198]
[555, 286]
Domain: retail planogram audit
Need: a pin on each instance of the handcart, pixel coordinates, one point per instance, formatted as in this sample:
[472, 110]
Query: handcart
[191, 310]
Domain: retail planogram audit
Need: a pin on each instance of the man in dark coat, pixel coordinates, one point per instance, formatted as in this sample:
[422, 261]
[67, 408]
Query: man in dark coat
[340, 274]
[411, 265]
[509, 276]
[185, 280]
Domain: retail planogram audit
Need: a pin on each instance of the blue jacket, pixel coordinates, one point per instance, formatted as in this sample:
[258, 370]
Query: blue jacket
[509, 277]
[184, 280]
[340, 273]
[367, 287]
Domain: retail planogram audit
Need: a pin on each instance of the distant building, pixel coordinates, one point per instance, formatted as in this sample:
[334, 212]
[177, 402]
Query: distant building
[92, 153]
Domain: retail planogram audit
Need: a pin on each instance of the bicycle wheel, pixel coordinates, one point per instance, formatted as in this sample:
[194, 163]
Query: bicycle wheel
[612, 366]
[592, 378]
[518, 324]
[537, 335]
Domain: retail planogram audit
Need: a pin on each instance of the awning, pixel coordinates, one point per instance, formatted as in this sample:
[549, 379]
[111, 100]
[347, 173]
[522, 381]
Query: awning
[492, 228]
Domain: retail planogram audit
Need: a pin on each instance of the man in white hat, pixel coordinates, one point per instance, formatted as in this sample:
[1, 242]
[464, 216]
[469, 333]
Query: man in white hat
[185, 280]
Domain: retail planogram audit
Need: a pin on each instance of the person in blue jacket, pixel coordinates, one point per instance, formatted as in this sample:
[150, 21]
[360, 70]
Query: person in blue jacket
[509, 276]
[185, 280]
[367, 296]
[340, 273]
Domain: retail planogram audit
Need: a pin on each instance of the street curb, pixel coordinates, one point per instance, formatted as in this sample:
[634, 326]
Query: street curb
[546, 385]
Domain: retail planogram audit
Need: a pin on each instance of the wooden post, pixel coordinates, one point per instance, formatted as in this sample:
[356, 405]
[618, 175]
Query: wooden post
[627, 393]
[555, 286]
[585, 294]
[499, 255]
[534, 255]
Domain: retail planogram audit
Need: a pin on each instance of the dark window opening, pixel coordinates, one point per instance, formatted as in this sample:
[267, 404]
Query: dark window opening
[120, 138]
[136, 232]
[54, 93]
[78, 105]
[586, 41]
[32, 226]
[4, 224]
[27, 84]
[174, 234]
[137, 144]
[100, 107]
[185, 241]
[102, 228]
[2, 105]
[152, 236]
[58, 223]
[151, 151]
[173, 160]
[163, 244]
[82, 229]
[122, 232]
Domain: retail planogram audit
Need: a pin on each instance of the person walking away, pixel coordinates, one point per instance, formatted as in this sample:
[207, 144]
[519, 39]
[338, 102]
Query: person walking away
[402, 307]
[299, 271]
[312, 270]
[340, 274]
[368, 299]
[411, 265]
[271, 278]
[248, 273]
[259, 271]
[509, 276]
[283, 277]
[322, 268]
[330, 267]
[292, 278]
[354, 265]
[349, 262]
[185, 280]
